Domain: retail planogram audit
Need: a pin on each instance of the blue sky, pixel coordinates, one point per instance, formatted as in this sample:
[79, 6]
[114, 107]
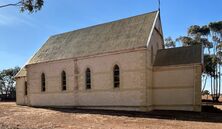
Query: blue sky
[22, 34]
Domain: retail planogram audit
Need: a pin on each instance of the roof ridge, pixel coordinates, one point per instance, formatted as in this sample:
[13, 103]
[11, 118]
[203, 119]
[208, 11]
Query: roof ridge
[92, 26]
[117, 35]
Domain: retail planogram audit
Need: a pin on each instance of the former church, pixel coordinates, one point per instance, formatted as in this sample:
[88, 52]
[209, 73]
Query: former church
[121, 65]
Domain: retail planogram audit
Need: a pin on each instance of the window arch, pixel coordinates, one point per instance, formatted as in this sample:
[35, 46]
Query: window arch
[116, 76]
[88, 78]
[43, 82]
[63, 80]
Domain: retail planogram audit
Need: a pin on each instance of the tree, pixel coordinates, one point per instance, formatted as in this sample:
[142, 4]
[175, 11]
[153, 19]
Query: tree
[216, 34]
[197, 35]
[7, 83]
[209, 69]
[206, 92]
[169, 43]
[27, 5]
[210, 36]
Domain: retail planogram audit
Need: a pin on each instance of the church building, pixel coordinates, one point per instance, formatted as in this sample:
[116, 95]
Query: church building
[120, 65]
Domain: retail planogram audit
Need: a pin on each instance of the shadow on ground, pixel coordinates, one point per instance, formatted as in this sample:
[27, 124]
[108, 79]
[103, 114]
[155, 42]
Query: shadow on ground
[208, 114]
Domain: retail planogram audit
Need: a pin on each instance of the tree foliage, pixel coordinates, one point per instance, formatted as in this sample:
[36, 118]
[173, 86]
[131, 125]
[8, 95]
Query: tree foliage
[7, 83]
[27, 5]
[210, 36]
[169, 43]
[216, 27]
[196, 35]
[210, 64]
[206, 92]
[198, 31]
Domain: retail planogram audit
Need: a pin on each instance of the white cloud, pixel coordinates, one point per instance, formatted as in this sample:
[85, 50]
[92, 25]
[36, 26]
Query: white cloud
[10, 16]
[6, 20]
[10, 20]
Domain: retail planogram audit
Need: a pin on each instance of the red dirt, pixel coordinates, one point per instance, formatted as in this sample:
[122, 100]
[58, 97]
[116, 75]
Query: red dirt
[22, 117]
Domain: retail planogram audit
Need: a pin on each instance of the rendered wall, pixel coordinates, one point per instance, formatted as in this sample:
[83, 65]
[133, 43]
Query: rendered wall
[156, 42]
[177, 88]
[132, 81]
[53, 96]
[21, 98]
[130, 95]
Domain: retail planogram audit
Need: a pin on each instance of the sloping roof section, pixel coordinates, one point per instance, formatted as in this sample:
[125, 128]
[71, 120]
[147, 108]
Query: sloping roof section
[21, 73]
[123, 34]
[178, 56]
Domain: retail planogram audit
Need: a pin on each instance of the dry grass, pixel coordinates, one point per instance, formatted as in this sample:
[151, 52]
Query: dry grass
[20, 117]
[209, 97]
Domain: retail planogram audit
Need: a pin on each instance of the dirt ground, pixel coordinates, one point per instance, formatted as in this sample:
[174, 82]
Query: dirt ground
[209, 97]
[21, 117]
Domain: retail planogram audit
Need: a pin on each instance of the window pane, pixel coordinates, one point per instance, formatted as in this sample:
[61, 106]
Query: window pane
[26, 88]
[63, 80]
[43, 82]
[88, 78]
[116, 76]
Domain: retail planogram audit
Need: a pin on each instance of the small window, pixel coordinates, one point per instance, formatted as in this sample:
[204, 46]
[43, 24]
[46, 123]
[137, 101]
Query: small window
[26, 88]
[116, 76]
[63, 80]
[88, 78]
[43, 82]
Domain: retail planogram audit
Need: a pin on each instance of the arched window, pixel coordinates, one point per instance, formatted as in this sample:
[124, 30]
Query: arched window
[63, 80]
[88, 78]
[26, 88]
[116, 76]
[43, 82]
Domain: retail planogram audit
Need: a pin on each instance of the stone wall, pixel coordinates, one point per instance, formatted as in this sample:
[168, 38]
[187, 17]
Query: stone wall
[21, 98]
[53, 96]
[177, 87]
[130, 94]
[156, 42]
